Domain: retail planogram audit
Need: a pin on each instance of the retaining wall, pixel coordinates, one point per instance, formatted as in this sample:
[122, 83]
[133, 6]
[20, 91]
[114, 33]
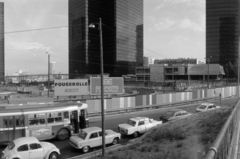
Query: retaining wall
[153, 99]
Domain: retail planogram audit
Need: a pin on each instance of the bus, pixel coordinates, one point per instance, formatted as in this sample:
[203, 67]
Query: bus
[43, 120]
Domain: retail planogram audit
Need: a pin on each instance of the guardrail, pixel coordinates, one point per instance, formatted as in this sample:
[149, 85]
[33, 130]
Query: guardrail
[142, 108]
[224, 146]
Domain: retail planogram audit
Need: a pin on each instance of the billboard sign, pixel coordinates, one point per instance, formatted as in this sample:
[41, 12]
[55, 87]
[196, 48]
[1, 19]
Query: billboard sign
[112, 85]
[71, 87]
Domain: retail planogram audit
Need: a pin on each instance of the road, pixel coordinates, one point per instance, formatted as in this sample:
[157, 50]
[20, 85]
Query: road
[111, 122]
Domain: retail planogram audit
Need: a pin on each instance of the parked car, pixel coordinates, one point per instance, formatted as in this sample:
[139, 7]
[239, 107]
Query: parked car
[92, 137]
[174, 114]
[206, 107]
[30, 148]
[137, 125]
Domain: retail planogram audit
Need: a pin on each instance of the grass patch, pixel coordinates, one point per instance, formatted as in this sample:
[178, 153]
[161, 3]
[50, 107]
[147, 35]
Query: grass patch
[176, 140]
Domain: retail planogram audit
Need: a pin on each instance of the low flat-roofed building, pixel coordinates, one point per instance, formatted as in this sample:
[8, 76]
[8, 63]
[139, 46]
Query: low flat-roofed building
[161, 72]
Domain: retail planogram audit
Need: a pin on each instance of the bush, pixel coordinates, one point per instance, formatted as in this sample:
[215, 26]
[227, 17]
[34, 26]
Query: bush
[166, 133]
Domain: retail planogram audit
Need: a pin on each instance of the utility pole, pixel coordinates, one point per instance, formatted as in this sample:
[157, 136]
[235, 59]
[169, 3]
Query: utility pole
[48, 72]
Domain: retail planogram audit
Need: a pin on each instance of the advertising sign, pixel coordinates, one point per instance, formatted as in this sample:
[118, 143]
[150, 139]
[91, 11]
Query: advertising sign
[111, 85]
[41, 132]
[71, 87]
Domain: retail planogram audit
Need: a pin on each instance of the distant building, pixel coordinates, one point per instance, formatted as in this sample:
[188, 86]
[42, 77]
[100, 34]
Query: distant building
[148, 60]
[163, 72]
[179, 61]
[122, 35]
[2, 56]
[222, 34]
[52, 68]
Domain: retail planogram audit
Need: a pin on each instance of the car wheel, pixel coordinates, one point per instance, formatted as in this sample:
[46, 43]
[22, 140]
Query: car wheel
[63, 134]
[53, 155]
[115, 141]
[135, 134]
[85, 149]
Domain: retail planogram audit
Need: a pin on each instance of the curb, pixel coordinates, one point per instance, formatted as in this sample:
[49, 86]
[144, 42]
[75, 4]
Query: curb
[99, 152]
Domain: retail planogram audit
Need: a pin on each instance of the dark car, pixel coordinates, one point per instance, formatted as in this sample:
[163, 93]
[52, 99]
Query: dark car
[174, 114]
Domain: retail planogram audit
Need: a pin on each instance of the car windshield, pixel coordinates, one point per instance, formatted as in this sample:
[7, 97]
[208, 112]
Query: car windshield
[170, 113]
[131, 122]
[82, 134]
[202, 107]
[11, 145]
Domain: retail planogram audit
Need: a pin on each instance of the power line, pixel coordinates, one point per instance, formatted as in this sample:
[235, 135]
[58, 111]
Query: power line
[155, 52]
[58, 27]
[20, 31]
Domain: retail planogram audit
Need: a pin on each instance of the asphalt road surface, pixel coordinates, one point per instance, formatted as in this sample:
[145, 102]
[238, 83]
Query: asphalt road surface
[111, 122]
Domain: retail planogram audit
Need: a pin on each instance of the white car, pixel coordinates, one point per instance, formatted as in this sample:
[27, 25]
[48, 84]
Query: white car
[137, 125]
[206, 107]
[174, 114]
[30, 148]
[92, 137]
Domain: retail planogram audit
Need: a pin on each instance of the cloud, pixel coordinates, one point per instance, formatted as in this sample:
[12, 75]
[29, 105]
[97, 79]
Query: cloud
[190, 25]
[27, 46]
[185, 24]
[165, 24]
[163, 3]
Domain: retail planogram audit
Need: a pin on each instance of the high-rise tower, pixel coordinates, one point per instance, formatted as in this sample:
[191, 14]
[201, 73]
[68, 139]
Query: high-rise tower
[122, 33]
[222, 33]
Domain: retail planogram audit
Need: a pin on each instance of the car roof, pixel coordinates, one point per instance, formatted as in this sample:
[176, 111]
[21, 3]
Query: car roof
[25, 140]
[175, 110]
[206, 104]
[92, 129]
[139, 118]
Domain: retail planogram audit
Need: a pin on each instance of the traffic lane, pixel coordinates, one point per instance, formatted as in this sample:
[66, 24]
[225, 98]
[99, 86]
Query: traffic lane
[111, 122]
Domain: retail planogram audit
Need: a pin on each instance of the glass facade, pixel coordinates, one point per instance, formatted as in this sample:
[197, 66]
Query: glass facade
[2, 57]
[222, 34]
[122, 33]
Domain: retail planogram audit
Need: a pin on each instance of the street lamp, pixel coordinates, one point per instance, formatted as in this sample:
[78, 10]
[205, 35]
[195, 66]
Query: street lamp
[92, 25]
[48, 71]
[208, 60]
[188, 74]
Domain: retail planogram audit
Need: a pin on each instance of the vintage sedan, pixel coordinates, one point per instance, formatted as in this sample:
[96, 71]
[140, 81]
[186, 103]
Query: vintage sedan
[30, 148]
[137, 125]
[174, 114]
[92, 137]
[206, 107]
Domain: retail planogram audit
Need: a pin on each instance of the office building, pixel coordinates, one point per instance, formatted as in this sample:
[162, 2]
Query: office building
[122, 34]
[179, 72]
[52, 67]
[222, 34]
[148, 61]
[179, 61]
[2, 57]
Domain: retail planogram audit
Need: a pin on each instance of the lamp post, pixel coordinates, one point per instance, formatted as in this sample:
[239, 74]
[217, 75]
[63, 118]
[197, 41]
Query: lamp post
[48, 71]
[238, 77]
[188, 74]
[208, 60]
[102, 92]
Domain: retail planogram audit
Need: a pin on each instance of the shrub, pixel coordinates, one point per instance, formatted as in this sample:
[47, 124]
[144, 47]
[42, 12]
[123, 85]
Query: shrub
[166, 133]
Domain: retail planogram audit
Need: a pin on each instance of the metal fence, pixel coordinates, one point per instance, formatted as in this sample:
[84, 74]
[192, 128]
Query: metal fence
[224, 146]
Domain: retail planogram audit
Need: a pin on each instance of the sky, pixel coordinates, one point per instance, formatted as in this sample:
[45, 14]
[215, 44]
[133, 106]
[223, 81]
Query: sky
[172, 29]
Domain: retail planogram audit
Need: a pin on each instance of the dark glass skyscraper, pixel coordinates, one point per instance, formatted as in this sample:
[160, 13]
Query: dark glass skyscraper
[122, 33]
[222, 33]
